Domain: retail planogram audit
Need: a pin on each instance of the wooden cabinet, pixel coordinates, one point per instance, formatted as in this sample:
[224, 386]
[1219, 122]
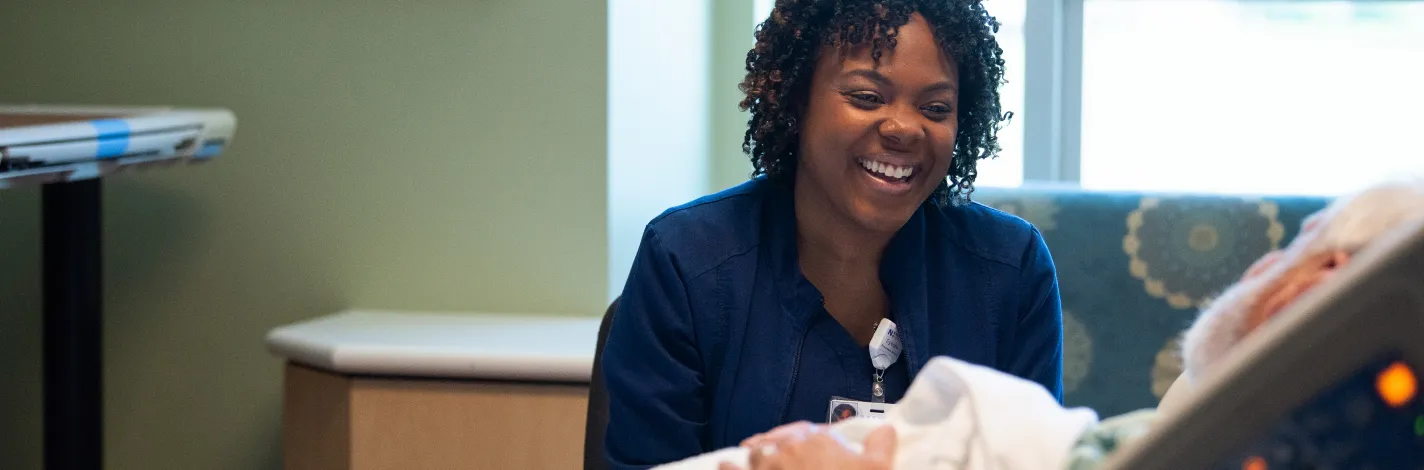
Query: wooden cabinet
[341, 412]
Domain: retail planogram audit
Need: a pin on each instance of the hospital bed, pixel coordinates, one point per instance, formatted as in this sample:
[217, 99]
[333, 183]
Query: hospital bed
[67, 150]
[1333, 384]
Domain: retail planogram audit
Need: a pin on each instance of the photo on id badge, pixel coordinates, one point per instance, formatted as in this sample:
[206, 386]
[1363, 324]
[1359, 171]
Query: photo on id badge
[842, 409]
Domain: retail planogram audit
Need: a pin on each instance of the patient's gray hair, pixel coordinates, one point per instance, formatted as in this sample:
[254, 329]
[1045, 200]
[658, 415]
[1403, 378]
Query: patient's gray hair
[1348, 224]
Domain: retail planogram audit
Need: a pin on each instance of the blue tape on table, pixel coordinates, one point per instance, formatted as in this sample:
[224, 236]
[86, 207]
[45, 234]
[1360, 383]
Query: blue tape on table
[210, 149]
[113, 137]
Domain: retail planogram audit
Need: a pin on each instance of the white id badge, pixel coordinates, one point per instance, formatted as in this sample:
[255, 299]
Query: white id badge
[844, 408]
[885, 345]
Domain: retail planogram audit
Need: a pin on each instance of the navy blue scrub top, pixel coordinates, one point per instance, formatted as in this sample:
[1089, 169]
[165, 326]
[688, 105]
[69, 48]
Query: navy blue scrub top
[718, 335]
[843, 370]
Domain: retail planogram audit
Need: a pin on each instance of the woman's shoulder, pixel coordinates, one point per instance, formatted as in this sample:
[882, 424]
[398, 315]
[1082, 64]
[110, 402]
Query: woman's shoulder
[985, 231]
[712, 228]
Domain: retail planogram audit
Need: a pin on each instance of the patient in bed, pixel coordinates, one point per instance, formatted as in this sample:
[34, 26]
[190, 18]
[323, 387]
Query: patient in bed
[958, 415]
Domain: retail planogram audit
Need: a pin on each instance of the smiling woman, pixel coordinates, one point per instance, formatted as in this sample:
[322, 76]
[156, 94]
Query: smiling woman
[879, 138]
[761, 305]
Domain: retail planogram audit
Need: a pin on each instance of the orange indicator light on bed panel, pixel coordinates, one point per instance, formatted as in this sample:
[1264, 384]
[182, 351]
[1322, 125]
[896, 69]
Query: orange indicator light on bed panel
[1397, 384]
[1254, 463]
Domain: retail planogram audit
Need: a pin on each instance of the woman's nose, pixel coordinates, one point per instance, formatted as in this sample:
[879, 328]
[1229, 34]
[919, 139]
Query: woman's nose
[901, 131]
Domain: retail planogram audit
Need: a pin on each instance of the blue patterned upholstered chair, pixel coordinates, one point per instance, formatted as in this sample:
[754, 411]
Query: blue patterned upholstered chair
[1135, 267]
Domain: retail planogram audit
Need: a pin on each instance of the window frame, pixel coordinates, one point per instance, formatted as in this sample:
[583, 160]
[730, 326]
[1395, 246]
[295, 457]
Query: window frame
[1053, 91]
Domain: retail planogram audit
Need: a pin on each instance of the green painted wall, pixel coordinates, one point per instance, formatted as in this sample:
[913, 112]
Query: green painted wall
[429, 155]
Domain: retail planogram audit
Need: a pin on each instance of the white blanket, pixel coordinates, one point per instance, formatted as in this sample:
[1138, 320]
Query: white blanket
[961, 416]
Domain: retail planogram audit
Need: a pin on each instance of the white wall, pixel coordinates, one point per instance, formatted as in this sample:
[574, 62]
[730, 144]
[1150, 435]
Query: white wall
[658, 69]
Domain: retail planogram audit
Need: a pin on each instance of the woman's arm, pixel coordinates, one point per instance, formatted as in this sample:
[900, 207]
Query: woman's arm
[651, 364]
[1038, 350]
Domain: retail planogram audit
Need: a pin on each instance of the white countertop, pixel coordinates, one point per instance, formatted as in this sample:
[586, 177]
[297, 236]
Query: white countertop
[523, 347]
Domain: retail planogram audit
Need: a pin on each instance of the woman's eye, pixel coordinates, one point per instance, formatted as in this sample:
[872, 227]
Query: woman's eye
[938, 111]
[865, 98]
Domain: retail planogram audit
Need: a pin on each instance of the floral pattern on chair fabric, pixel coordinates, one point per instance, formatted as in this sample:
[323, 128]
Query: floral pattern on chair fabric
[1133, 269]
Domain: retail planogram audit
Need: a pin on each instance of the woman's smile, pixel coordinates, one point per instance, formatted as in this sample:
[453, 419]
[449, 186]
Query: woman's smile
[893, 176]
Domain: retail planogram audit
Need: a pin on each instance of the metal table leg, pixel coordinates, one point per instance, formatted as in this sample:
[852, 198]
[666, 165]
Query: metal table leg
[73, 334]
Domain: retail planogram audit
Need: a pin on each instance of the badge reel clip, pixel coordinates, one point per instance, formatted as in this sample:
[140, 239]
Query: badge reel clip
[884, 349]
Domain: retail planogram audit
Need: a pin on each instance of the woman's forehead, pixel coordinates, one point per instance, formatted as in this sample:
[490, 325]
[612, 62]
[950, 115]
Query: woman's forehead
[915, 52]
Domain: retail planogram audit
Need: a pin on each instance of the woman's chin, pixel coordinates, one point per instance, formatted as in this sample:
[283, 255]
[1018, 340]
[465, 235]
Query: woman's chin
[879, 219]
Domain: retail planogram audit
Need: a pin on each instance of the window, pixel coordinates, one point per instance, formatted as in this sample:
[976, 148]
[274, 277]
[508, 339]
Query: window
[1227, 96]
[761, 9]
[1313, 97]
[1007, 169]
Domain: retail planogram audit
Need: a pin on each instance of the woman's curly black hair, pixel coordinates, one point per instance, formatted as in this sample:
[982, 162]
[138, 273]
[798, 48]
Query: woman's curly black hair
[780, 67]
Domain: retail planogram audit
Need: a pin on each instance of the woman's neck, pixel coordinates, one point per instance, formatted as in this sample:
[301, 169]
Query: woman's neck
[832, 243]
[843, 261]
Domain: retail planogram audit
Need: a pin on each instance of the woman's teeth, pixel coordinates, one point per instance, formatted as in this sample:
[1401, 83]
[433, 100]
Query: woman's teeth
[889, 171]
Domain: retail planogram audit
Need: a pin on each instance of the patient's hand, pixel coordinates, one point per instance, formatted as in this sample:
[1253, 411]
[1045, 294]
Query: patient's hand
[797, 429]
[819, 449]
